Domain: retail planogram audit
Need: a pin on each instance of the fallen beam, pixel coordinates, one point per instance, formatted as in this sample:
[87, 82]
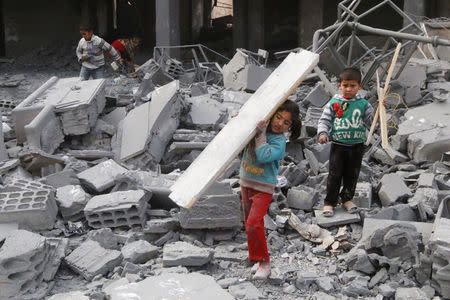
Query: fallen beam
[240, 130]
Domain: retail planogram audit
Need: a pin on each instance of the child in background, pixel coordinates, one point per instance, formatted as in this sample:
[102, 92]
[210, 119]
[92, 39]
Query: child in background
[90, 53]
[127, 49]
[344, 122]
[258, 178]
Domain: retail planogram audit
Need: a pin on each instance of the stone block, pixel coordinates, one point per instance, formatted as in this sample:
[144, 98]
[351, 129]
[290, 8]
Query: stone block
[302, 197]
[71, 200]
[105, 237]
[161, 225]
[363, 195]
[340, 217]
[219, 208]
[123, 208]
[401, 212]
[427, 180]
[90, 260]
[188, 286]
[407, 293]
[185, 254]
[372, 224]
[317, 97]
[23, 257]
[101, 177]
[139, 252]
[313, 115]
[426, 196]
[31, 209]
[393, 189]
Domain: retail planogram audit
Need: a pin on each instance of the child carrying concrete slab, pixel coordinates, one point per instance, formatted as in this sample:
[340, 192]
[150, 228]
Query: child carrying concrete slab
[344, 121]
[258, 177]
[90, 53]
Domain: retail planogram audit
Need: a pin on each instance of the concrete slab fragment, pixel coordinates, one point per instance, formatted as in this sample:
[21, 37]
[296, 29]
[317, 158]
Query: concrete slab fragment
[340, 217]
[143, 123]
[393, 189]
[185, 254]
[176, 286]
[371, 225]
[101, 177]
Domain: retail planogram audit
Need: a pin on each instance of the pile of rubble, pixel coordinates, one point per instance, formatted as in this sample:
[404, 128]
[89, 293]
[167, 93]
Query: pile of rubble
[86, 174]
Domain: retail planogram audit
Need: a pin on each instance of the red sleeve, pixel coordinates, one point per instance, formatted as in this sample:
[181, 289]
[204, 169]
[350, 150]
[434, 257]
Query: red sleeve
[117, 44]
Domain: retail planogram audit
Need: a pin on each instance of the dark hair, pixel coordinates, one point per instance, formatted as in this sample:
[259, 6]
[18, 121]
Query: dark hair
[292, 108]
[350, 74]
[288, 106]
[86, 27]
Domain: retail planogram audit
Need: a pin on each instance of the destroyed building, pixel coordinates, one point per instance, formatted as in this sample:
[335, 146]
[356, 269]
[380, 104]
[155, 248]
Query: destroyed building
[127, 187]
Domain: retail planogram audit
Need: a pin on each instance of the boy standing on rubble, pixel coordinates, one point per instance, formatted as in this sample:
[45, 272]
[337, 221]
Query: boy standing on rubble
[344, 121]
[90, 53]
[258, 177]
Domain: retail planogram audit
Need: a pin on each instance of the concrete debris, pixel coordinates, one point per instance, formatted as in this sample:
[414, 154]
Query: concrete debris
[34, 209]
[127, 208]
[242, 73]
[71, 200]
[89, 166]
[90, 259]
[393, 189]
[218, 208]
[101, 177]
[162, 113]
[176, 286]
[23, 259]
[139, 252]
[185, 254]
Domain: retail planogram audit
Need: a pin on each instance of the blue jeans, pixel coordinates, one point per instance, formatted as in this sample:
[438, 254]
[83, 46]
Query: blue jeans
[86, 73]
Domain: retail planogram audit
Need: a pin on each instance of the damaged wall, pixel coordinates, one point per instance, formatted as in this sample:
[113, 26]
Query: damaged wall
[30, 24]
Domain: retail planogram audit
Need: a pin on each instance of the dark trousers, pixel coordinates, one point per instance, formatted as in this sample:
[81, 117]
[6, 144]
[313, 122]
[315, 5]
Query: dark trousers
[344, 167]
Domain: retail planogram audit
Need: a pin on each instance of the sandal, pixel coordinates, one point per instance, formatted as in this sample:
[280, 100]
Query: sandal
[328, 211]
[350, 207]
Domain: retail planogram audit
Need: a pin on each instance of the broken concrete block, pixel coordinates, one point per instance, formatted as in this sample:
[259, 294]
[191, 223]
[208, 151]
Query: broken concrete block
[139, 252]
[145, 87]
[427, 196]
[205, 113]
[90, 259]
[219, 208]
[340, 217]
[150, 126]
[70, 296]
[71, 200]
[401, 212]
[161, 225]
[296, 174]
[393, 189]
[23, 257]
[317, 97]
[396, 241]
[35, 209]
[363, 195]
[312, 160]
[302, 197]
[425, 133]
[234, 100]
[101, 177]
[187, 286]
[359, 261]
[313, 115]
[57, 251]
[105, 237]
[115, 116]
[427, 180]
[372, 224]
[20, 184]
[127, 208]
[185, 254]
[415, 293]
[245, 290]
[63, 178]
[239, 74]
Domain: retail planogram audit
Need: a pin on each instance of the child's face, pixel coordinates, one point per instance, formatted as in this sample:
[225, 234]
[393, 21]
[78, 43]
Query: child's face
[87, 35]
[281, 122]
[349, 88]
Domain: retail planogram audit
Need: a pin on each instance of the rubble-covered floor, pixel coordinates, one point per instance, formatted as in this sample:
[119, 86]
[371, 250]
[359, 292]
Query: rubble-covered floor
[99, 200]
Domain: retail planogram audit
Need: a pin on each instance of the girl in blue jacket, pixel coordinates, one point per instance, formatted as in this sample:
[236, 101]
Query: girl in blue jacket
[258, 178]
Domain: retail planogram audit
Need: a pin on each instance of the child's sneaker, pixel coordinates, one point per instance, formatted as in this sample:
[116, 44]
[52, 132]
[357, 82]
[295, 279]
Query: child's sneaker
[263, 271]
